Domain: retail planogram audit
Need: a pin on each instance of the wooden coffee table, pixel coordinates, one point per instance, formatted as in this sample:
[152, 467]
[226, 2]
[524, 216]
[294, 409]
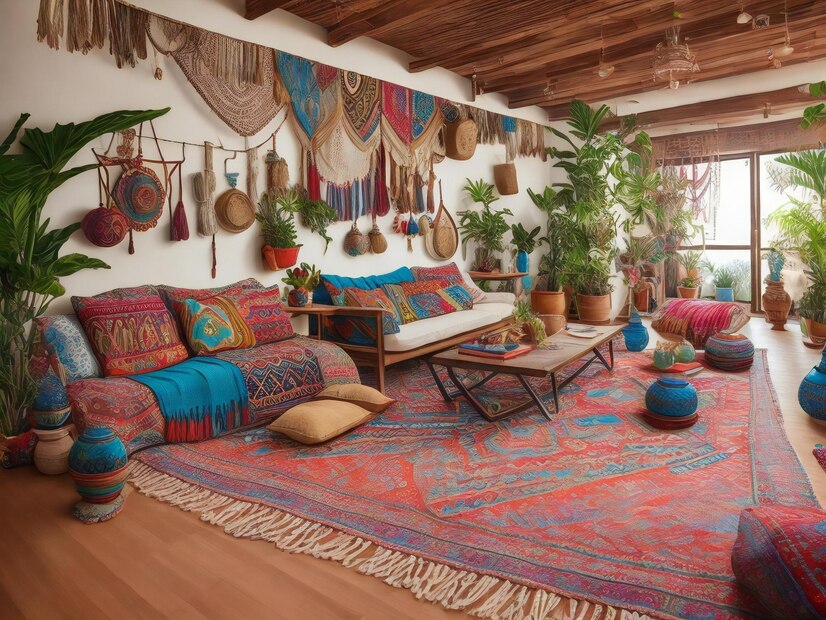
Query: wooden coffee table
[544, 363]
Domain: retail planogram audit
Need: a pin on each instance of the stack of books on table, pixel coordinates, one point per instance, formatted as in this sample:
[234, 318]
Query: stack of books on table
[495, 351]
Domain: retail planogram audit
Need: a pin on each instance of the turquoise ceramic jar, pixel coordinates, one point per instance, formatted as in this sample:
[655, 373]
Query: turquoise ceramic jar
[664, 358]
[684, 352]
[812, 391]
[635, 333]
[671, 397]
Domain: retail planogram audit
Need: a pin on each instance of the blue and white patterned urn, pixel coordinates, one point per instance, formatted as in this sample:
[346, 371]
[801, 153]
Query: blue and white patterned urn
[812, 391]
[671, 397]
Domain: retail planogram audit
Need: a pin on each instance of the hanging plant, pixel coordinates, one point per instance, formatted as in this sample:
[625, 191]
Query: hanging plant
[317, 215]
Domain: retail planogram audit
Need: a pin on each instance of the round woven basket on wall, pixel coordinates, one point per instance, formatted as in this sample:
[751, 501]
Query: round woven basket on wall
[234, 211]
[460, 139]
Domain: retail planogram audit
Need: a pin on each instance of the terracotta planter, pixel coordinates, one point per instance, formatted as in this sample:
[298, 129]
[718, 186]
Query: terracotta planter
[776, 303]
[594, 309]
[280, 258]
[814, 333]
[688, 292]
[568, 290]
[642, 299]
[548, 302]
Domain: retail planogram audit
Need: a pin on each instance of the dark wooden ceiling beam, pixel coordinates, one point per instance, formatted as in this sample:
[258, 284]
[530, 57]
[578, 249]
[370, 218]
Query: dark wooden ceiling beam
[774, 101]
[378, 19]
[256, 8]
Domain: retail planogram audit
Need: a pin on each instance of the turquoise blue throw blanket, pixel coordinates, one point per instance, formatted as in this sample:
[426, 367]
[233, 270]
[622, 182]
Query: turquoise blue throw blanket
[199, 398]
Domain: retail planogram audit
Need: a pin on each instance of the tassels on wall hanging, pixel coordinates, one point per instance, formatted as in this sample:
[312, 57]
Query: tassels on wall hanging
[179, 231]
[50, 22]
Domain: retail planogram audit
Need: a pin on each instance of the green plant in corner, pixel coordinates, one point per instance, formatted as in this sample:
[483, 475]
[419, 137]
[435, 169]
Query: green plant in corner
[486, 228]
[30, 261]
[560, 231]
[724, 277]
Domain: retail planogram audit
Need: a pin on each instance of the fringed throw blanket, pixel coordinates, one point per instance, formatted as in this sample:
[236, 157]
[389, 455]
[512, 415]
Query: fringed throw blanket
[200, 398]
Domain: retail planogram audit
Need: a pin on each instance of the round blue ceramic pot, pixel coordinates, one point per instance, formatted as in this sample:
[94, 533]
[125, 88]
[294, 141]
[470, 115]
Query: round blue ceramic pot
[671, 397]
[812, 391]
[684, 352]
[51, 394]
[635, 333]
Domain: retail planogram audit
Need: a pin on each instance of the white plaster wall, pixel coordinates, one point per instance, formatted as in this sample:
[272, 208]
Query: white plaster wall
[55, 86]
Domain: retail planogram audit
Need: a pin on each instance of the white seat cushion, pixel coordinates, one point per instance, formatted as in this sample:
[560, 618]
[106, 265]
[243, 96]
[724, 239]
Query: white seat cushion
[427, 331]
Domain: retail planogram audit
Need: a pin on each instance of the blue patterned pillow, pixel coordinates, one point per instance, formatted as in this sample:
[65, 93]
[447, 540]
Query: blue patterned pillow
[64, 335]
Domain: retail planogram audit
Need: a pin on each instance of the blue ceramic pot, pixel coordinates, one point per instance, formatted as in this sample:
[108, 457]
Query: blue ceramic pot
[635, 333]
[671, 397]
[97, 462]
[812, 391]
[51, 394]
[725, 294]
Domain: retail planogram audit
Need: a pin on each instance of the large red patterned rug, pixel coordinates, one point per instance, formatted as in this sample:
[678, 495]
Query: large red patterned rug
[587, 516]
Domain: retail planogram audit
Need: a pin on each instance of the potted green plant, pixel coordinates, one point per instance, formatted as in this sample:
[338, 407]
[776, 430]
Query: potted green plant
[689, 286]
[801, 225]
[640, 251]
[30, 262]
[525, 243]
[724, 283]
[590, 274]
[317, 215]
[276, 215]
[597, 166]
[547, 296]
[529, 322]
[486, 228]
[304, 280]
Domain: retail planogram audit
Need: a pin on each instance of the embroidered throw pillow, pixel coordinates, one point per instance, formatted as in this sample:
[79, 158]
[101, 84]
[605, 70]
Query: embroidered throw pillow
[213, 325]
[429, 298]
[64, 335]
[130, 335]
[404, 311]
[451, 274]
[174, 295]
[263, 313]
[373, 299]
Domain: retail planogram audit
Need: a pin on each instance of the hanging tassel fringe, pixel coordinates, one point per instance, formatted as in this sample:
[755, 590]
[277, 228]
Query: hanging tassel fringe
[477, 594]
[50, 22]
[78, 27]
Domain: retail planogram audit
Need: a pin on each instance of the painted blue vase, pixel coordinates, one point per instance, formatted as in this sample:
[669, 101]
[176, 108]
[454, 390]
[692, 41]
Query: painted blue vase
[812, 391]
[724, 294]
[51, 406]
[635, 333]
[671, 397]
[523, 265]
[97, 462]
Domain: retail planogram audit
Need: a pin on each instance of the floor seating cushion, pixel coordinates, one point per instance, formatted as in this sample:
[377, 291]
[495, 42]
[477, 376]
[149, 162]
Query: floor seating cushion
[320, 420]
[697, 320]
[780, 557]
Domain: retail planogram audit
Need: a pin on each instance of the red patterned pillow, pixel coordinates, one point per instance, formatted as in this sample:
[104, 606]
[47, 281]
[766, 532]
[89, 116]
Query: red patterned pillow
[373, 299]
[174, 295]
[132, 334]
[449, 273]
[429, 298]
[262, 312]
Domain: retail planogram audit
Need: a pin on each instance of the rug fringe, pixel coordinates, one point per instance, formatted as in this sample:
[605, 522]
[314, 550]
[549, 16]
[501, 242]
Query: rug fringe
[483, 596]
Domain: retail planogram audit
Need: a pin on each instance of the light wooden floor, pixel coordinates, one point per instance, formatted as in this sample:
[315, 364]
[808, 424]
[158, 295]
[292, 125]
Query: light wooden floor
[153, 560]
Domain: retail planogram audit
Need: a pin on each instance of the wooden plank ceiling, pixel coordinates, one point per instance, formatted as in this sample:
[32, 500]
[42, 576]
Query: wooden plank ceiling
[546, 52]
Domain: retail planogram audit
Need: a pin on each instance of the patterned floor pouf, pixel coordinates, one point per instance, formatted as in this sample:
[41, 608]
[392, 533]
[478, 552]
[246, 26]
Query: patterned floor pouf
[728, 351]
[779, 557]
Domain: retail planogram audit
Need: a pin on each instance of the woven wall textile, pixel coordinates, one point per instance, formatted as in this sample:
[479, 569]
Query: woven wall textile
[245, 106]
[299, 81]
[397, 121]
[427, 121]
[361, 102]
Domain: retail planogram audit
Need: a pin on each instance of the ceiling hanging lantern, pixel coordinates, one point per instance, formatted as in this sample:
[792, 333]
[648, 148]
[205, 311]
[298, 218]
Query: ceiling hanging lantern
[787, 48]
[673, 61]
[605, 69]
[744, 17]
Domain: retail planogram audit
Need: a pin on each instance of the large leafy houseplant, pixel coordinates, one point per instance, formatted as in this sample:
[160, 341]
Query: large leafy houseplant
[801, 225]
[30, 262]
[602, 171]
[560, 229]
[487, 227]
[276, 216]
